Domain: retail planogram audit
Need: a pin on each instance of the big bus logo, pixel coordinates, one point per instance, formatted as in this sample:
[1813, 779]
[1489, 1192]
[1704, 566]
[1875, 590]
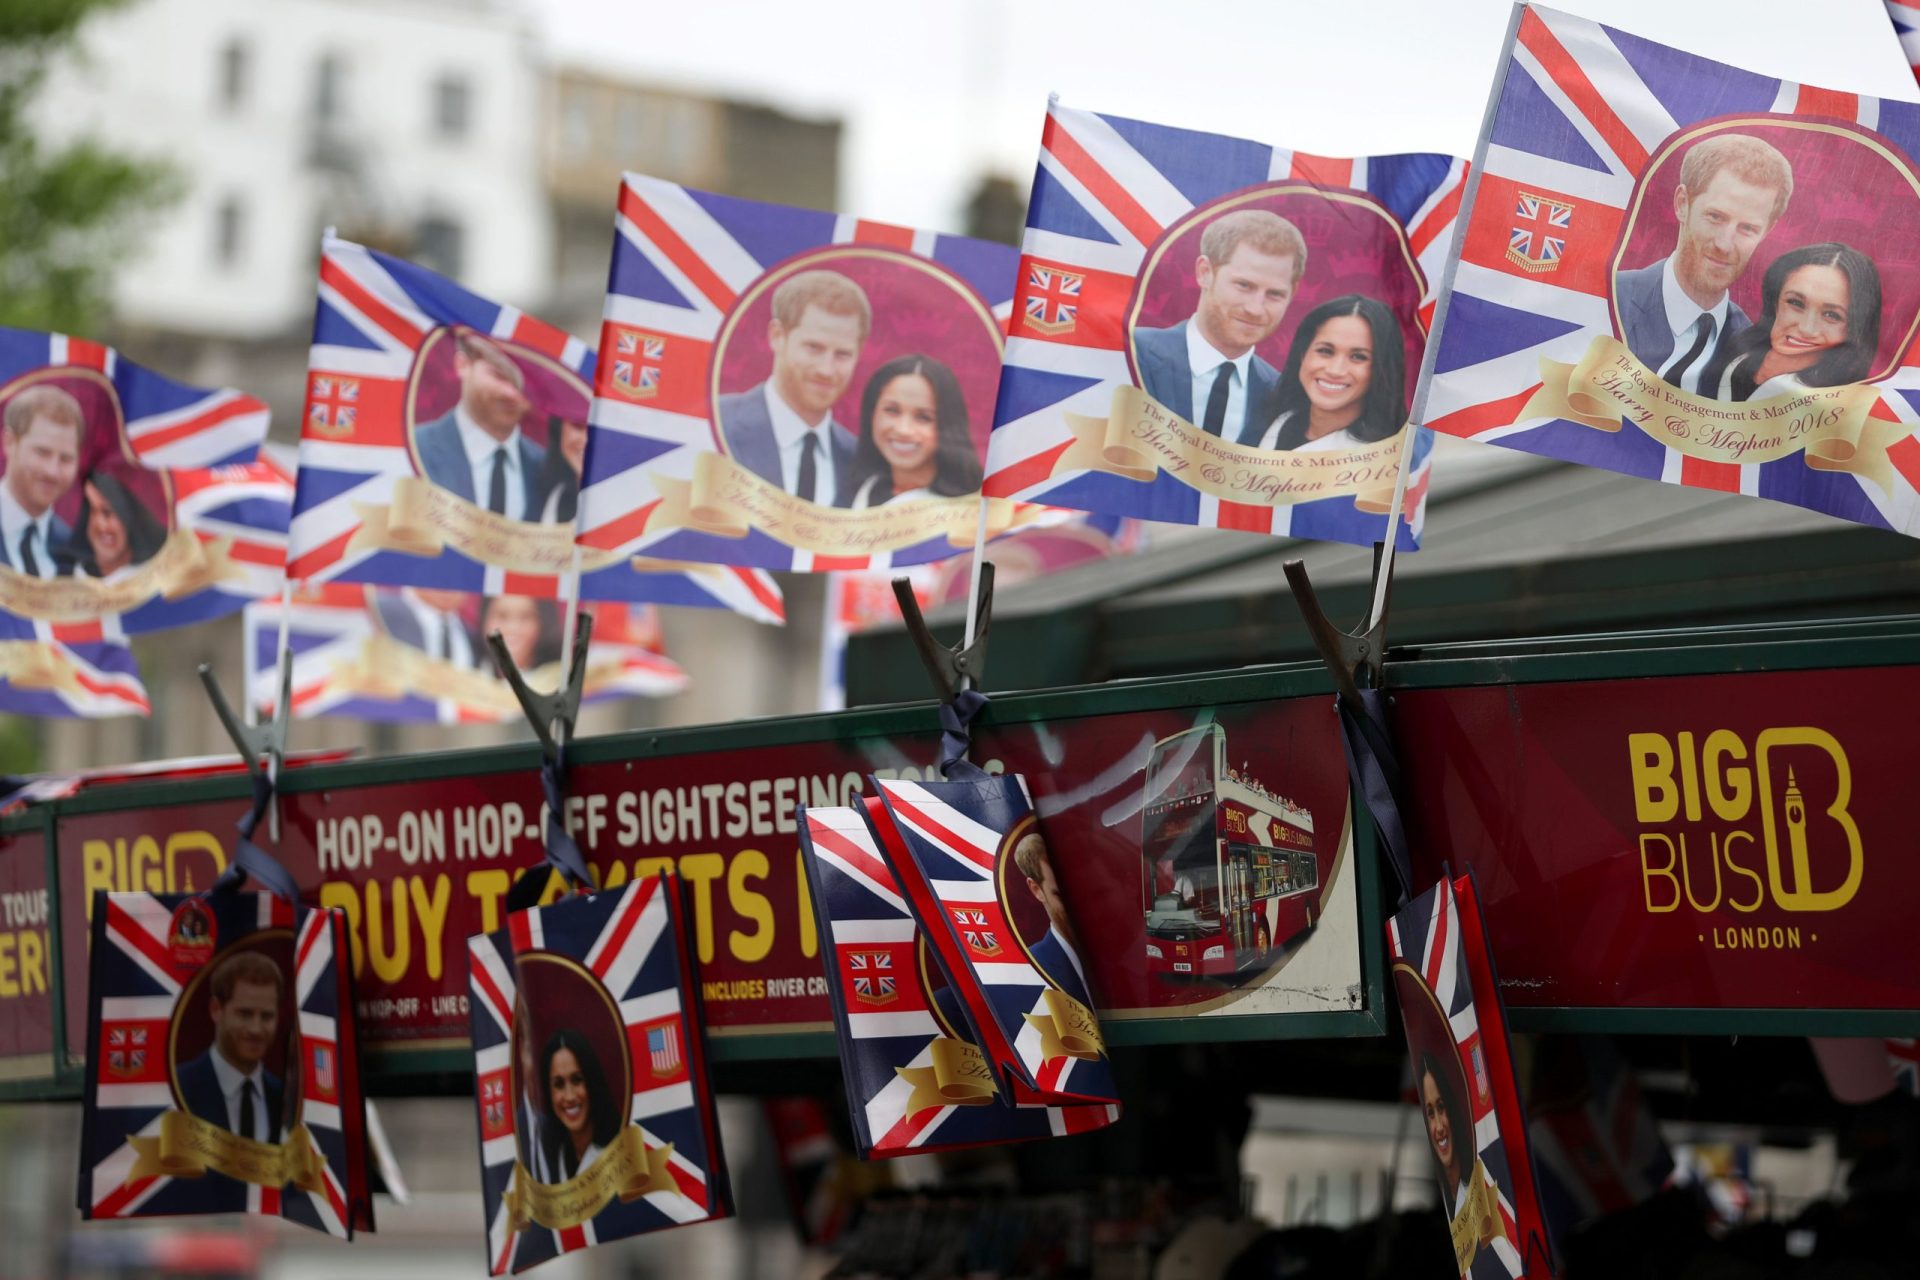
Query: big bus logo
[1723, 823]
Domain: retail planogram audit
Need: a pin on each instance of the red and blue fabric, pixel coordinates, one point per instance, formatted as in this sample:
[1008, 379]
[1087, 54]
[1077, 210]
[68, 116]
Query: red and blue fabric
[634, 945]
[136, 984]
[1105, 193]
[887, 1034]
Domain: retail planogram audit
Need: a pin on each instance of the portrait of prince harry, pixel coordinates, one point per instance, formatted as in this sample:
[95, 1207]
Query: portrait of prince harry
[229, 1085]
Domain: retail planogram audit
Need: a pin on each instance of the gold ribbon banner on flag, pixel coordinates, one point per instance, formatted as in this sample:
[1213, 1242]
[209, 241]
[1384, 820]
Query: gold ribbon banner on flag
[958, 1076]
[187, 1146]
[387, 669]
[628, 1169]
[727, 500]
[1067, 1029]
[1140, 438]
[183, 565]
[1477, 1223]
[1832, 426]
[424, 520]
[38, 664]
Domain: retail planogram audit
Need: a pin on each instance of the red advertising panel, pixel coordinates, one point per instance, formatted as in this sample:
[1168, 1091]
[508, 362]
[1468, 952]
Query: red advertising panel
[26, 961]
[1258, 878]
[1687, 842]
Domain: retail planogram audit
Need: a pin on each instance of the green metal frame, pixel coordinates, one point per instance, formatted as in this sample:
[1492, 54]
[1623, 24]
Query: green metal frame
[1787, 646]
[394, 1069]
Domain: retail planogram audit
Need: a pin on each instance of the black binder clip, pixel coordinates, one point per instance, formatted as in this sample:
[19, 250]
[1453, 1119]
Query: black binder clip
[964, 665]
[1357, 659]
[253, 742]
[545, 711]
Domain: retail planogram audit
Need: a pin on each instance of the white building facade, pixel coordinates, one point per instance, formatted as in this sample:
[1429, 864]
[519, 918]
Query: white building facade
[415, 124]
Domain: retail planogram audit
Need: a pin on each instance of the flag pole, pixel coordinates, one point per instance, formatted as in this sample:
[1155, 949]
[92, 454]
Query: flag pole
[973, 580]
[566, 629]
[1395, 516]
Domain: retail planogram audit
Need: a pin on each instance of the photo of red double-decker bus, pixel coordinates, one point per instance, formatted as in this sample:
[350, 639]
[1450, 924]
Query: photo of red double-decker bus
[1229, 873]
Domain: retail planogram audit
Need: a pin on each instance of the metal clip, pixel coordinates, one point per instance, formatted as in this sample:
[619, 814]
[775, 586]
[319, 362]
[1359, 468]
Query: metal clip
[964, 665]
[255, 741]
[545, 710]
[1347, 655]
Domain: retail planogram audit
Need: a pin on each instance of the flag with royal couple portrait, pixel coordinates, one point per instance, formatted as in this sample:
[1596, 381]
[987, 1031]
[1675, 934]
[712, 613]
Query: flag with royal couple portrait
[790, 389]
[222, 1072]
[81, 679]
[1222, 333]
[411, 655]
[1465, 1086]
[596, 1113]
[128, 502]
[1681, 270]
[916, 1077]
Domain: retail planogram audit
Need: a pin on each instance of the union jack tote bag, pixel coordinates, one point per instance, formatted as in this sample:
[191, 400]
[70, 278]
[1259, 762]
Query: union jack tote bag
[979, 877]
[1464, 1083]
[916, 1078]
[222, 1069]
[590, 1077]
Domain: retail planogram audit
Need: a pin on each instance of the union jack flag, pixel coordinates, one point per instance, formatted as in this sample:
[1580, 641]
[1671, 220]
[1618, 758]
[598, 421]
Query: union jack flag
[633, 942]
[333, 404]
[493, 1104]
[686, 265]
[1534, 246]
[136, 984]
[887, 1056]
[1906, 25]
[53, 678]
[1904, 1056]
[948, 840]
[1108, 197]
[872, 976]
[167, 423]
[344, 637]
[1588, 119]
[1052, 298]
[1440, 961]
[636, 362]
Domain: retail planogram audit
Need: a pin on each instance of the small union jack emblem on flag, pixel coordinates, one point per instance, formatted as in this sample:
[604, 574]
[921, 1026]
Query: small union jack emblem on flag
[873, 981]
[493, 1104]
[1053, 298]
[663, 1048]
[333, 404]
[980, 940]
[1539, 232]
[635, 371]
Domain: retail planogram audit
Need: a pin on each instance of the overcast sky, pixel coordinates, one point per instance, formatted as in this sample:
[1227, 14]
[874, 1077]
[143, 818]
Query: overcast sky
[936, 92]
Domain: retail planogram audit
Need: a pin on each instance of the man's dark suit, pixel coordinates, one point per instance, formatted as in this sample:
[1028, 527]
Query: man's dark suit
[200, 1090]
[1643, 319]
[1050, 955]
[1167, 375]
[59, 546]
[401, 621]
[444, 459]
[746, 424]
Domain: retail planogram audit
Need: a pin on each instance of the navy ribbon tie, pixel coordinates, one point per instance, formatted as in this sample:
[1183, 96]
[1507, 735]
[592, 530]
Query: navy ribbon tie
[956, 735]
[1375, 771]
[563, 851]
[249, 859]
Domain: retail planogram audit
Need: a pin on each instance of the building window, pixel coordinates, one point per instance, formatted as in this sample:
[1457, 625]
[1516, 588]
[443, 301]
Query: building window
[329, 90]
[236, 65]
[229, 231]
[452, 106]
[438, 244]
[576, 125]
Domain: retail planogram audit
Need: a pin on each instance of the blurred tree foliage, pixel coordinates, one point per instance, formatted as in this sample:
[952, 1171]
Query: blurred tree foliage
[66, 212]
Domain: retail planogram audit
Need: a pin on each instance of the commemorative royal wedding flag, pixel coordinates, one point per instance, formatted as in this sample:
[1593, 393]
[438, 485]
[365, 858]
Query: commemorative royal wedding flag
[222, 1071]
[1218, 332]
[84, 679]
[1680, 270]
[128, 502]
[590, 1077]
[979, 877]
[916, 1078]
[1464, 1082]
[790, 389]
[443, 436]
[403, 654]
[1906, 25]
